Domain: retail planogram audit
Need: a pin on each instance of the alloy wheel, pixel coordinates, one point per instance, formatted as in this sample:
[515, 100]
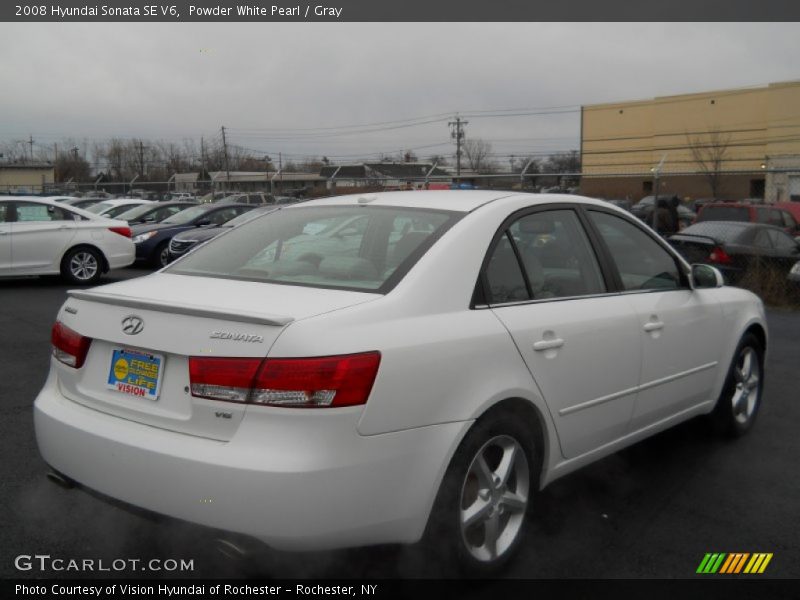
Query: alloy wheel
[494, 498]
[83, 266]
[747, 374]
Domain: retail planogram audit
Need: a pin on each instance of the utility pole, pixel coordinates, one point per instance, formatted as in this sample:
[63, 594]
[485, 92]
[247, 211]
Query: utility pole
[202, 162]
[225, 150]
[457, 134]
[141, 159]
[30, 141]
[280, 170]
[55, 163]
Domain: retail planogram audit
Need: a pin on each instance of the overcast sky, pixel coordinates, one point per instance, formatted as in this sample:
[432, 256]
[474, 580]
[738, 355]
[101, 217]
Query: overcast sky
[269, 82]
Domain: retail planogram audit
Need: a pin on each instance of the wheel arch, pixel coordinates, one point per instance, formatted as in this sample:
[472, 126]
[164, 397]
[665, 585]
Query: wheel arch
[104, 266]
[759, 332]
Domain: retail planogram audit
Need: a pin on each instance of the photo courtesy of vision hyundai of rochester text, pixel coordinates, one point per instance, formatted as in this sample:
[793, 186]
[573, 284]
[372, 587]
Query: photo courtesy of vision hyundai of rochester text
[393, 368]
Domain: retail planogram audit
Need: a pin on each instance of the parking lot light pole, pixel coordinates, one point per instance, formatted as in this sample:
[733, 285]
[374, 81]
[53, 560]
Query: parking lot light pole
[656, 170]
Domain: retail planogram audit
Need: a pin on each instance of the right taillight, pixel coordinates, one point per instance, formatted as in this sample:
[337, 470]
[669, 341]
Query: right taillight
[69, 347]
[719, 256]
[317, 382]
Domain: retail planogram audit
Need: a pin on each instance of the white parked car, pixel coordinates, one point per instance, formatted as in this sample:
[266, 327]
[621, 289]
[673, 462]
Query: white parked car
[425, 382]
[117, 206]
[39, 236]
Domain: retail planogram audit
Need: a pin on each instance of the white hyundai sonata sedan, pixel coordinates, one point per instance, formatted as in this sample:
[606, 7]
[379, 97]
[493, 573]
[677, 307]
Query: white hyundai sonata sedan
[378, 369]
[42, 236]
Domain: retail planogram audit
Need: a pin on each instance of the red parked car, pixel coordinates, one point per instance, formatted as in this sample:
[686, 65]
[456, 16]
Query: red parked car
[792, 207]
[750, 213]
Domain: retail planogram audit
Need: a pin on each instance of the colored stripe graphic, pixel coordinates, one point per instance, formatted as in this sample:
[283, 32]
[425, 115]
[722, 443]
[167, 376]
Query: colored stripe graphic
[758, 563]
[711, 563]
[734, 563]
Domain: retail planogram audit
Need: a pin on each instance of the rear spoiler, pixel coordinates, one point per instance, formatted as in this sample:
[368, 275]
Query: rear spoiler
[677, 237]
[180, 309]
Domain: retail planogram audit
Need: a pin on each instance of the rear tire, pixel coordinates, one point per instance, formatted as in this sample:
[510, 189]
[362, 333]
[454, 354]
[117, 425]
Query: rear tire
[483, 507]
[740, 400]
[82, 266]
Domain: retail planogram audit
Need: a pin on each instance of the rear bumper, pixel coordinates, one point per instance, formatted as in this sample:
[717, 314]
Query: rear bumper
[120, 259]
[294, 479]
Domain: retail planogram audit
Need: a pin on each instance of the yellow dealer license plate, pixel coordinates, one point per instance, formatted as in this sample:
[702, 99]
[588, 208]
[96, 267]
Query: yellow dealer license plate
[135, 373]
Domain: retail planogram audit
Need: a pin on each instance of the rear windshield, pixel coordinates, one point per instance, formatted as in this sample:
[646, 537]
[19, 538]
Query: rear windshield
[98, 208]
[345, 247]
[724, 213]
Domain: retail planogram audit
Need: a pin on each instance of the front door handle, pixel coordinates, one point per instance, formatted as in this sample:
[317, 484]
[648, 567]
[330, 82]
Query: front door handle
[548, 344]
[654, 325]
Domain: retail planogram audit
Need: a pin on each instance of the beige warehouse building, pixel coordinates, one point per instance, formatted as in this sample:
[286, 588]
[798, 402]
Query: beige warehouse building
[25, 178]
[743, 142]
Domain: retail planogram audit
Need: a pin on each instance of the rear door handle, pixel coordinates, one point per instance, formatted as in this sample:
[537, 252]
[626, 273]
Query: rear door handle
[548, 344]
[654, 325]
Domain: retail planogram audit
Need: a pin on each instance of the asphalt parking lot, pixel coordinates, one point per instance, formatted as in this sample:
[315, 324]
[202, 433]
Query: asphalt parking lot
[651, 511]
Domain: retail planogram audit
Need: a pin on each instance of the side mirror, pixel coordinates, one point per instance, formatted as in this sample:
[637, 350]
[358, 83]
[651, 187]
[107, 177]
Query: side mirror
[706, 276]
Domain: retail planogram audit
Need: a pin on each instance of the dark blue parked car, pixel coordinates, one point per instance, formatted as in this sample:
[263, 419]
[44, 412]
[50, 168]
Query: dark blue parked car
[152, 240]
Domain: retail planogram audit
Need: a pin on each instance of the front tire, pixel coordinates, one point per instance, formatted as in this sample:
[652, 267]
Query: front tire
[82, 266]
[161, 255]
[740, 400]
[483, 506]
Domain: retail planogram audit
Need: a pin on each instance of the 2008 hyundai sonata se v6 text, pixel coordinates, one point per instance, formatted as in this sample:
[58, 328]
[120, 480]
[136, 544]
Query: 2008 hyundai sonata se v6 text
[384, 368]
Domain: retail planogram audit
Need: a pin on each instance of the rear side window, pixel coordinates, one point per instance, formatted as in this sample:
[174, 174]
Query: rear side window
[781, 241]
[724, 213]
[4, 212]
[770, 216]
[642, 263]
[356, 248]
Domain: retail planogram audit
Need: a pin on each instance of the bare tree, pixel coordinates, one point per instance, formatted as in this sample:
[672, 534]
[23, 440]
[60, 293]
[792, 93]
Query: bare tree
[478, 153]
[709, 152]
[438, 159]
[71, 165]
[563, 162]
[533, 164]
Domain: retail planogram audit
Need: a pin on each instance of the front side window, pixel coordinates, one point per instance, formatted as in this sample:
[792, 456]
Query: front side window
[358, 248]
[642, 263]
[33, 211]
[541, 256]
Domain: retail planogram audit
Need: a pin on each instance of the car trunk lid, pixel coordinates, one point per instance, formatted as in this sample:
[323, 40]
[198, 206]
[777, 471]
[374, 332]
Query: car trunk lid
[144, 330]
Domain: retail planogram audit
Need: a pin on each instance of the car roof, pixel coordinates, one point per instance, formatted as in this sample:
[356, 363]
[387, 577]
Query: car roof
[49, 201]
[451, 200]
[118, 201]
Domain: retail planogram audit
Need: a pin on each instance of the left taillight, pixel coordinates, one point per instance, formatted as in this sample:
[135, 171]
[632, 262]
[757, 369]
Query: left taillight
[123, 231]
[69, 347]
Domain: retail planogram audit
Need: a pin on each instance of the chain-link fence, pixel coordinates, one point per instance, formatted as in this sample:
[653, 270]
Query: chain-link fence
[767, 196]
